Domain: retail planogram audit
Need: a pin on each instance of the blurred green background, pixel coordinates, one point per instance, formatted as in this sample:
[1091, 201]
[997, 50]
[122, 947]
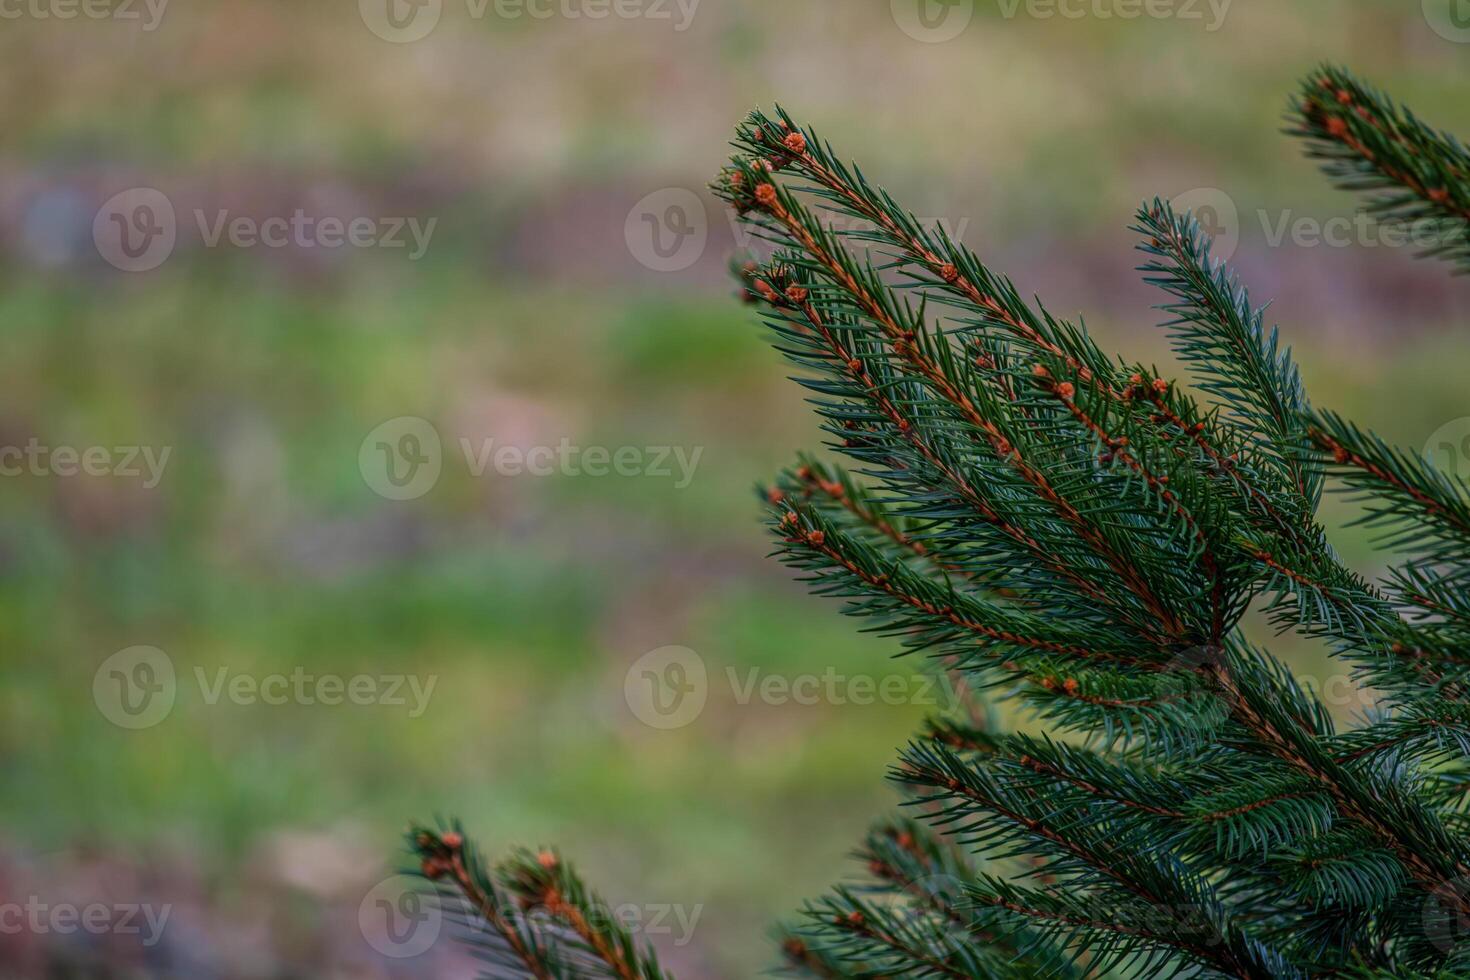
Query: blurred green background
[548, 151]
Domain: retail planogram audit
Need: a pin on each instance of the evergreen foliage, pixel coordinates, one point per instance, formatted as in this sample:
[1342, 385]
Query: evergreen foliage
[1080, 535]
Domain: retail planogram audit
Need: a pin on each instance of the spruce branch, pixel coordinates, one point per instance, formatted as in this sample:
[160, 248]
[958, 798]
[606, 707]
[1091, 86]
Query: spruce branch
[1416, 175]
[543, 920]
[1079, 536]
[1217, 331]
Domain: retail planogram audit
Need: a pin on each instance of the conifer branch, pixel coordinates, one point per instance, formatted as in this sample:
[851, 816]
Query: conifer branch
[1418, 175]
[552, 925]
[1076, 535]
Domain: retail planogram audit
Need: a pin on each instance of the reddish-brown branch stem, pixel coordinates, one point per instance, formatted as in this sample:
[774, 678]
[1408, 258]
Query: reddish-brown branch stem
[574, 918]
[1345, 456]
[858, 370]
[904, 346]
[487, 909]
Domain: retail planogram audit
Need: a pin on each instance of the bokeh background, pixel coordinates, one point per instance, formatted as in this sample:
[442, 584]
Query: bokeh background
[570, 290]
